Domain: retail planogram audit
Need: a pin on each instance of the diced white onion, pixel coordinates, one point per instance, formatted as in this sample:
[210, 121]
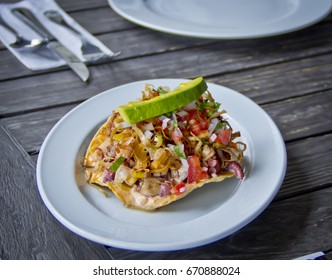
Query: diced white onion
[191, 106]
[184, 163]
[148, 134]
[212, 126]
[125, 124]
[182, 113]
[213, 137]
[183, 170]
[165, 121]
[205, 169]
[183, 189]
[121, 174]
[148, 126]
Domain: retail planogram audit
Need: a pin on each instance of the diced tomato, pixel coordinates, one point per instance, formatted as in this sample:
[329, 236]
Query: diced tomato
[224, 136]
[179, 188]
[191, 114]
[198, 123]
[205, 124]
[199, 128]
[196, 129]
[196, 115]
[158, 126]
[195, 172]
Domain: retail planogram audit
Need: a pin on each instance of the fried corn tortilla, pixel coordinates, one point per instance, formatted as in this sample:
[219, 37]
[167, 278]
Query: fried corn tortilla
[157, 161]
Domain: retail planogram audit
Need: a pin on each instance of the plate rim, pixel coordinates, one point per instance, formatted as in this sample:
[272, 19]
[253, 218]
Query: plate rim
[158, 246]
[166, 29]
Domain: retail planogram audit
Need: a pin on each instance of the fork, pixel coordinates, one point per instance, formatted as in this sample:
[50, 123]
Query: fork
[20, 41]
[90, 52]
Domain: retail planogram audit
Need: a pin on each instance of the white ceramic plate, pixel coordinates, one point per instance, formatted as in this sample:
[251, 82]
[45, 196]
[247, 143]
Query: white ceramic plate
[223, 19]
[204, 216]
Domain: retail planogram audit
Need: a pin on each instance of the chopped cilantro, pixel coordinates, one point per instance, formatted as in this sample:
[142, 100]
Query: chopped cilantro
[116, 164]
[179, 153]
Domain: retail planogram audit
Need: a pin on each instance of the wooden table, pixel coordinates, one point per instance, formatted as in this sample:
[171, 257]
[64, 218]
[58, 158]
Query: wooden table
[290, 76]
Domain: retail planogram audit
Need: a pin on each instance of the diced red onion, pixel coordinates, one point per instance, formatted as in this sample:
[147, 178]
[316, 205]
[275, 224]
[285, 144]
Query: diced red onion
[165, 189]
[236, 169]
[108, 176]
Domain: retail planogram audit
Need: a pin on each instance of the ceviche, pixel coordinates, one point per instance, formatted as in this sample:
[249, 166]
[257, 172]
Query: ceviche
[156, 161]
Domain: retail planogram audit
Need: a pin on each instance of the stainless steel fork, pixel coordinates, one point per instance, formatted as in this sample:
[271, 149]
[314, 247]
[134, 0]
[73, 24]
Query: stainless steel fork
[90, 52]
[20, 41]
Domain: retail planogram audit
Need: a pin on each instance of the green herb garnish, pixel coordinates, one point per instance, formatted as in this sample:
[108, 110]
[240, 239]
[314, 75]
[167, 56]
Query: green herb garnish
[179, 153]
[161, 90]
[116, 164]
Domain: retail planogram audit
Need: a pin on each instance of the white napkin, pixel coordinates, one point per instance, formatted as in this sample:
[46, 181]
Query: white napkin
[43, 58]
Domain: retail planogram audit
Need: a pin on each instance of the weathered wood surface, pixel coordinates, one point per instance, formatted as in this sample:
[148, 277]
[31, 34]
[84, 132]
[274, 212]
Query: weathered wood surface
[28, 230]
[267, 237]
[289, 76]
[263, 84]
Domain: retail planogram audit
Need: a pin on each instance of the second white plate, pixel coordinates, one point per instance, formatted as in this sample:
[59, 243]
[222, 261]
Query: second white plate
[223, 19]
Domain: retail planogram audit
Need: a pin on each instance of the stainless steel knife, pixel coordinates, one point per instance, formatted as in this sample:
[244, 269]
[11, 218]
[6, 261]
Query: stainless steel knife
[71, 59]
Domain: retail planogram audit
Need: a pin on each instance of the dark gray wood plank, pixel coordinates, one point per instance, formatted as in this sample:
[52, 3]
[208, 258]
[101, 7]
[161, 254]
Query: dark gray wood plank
[285, 230]
[64, 87]
[296, 118]
[303, 116]
[280, 81]
[215, 57]
[151, 42]
[309, 166]
[38, 126]
[107, 19]
[27, 229]
[77, 5]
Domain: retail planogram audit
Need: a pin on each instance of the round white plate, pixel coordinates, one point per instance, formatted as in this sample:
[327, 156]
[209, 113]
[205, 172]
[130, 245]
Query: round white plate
[204, 216]
[223, 19]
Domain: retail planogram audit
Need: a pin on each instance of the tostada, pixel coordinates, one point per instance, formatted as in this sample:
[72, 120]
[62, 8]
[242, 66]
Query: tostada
[156, 150]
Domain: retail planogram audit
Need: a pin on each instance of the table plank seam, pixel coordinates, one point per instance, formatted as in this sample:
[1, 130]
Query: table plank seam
[299, 193]
[296, 96]
[18, 145]
[252, 67]
[329, 132]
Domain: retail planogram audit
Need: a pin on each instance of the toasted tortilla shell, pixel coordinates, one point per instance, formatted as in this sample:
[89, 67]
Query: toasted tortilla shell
[127, 194]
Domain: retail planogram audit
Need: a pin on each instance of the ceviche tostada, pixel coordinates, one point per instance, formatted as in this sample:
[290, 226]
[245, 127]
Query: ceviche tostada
[151, 161]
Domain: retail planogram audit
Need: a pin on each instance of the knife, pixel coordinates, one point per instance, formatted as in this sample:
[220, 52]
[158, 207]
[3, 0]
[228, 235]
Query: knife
[71, 59]
[323, 255]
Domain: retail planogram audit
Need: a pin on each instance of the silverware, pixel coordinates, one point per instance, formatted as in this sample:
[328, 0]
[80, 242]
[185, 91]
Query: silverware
[322, 255]
[89, 51]
[72, 61]
[20, 41]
